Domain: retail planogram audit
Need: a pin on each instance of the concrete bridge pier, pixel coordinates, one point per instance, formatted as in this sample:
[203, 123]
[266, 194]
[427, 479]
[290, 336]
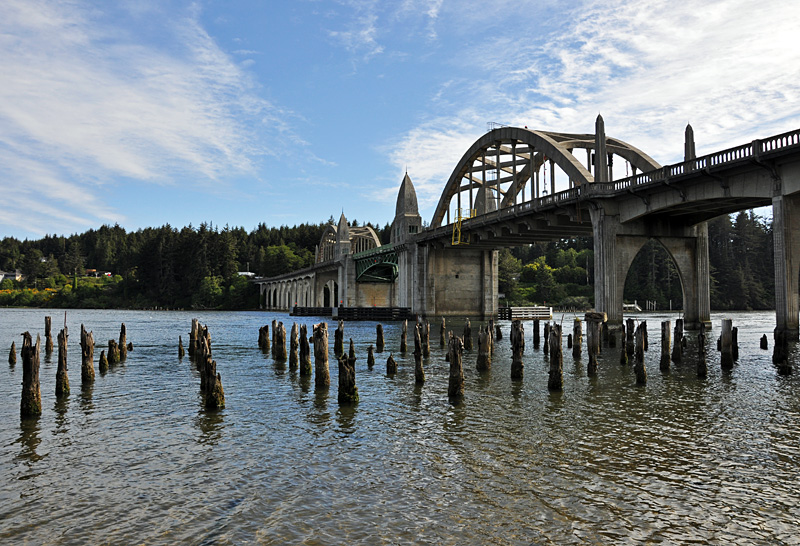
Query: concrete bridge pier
[616, 244]
[786, 242]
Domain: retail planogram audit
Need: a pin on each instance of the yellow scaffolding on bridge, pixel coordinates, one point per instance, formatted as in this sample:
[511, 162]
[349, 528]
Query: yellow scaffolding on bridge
[460, 216]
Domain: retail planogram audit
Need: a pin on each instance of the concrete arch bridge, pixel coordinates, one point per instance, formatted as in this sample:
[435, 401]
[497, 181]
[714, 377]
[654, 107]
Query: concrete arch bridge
[516, 186]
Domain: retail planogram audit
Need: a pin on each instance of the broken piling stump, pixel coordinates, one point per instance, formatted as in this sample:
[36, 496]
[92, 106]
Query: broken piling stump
[594, 327]
[87, 356]
[498, 333]
[419, 372]
[517, 348]
[546, 338]
[274, 333]
[630, 330]
[305, 352]
[12, 354]
[48, 336]
[31, 401]
[113, 352]
[404, 338]
[677, 344]
[425, 337]
[379, 338]
[370, 357]
[442, 339]
[338, 340]
[102, 365]
[123, 343]
[484, 351]
[638, 351]
[293, 347]
[467, 336]
[263, 338]
[348, 392]
[536, 334]
[555, 380]
[455, 386]
[665, 340]
[391, 365]
[764, 342]
[193, 338]
[726, 344]
[577, 338]
[62, 378]
[322, 375]
[623, 353]
[280, 343]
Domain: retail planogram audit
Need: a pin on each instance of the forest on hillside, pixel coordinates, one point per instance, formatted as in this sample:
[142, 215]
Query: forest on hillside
[198, 267]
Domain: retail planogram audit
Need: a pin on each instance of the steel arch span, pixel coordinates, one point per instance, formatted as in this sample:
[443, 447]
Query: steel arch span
[502, 163]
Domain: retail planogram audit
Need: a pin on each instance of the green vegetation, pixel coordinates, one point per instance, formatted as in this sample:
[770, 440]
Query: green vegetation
[198, 267]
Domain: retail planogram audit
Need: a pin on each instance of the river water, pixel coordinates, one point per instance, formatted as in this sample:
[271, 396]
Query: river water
[136, 459]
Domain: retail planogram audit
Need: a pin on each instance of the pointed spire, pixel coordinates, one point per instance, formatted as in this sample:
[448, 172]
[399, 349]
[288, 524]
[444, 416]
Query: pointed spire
[688, 145]
[343, 230]
[406, 198]
[600, 154]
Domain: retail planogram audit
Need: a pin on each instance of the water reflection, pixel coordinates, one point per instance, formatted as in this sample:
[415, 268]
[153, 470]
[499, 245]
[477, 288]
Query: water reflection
[345, 418]
[86, 404]
[211, 424]
[29, 440]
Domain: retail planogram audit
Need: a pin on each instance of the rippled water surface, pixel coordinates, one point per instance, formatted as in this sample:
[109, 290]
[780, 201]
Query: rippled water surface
[136, 459]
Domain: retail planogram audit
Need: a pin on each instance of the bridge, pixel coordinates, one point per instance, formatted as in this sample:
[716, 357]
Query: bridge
[516, 186]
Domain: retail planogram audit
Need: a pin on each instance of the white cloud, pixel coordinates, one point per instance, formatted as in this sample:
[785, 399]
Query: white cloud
[731, 68]
[84, 104]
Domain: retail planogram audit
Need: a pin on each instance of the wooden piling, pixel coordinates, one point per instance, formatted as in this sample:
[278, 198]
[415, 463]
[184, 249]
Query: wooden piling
[764, 343]
[62, 378]
[517, 349]
[113, 352]
[577, 338]
[455, 386]
[639, 368]
[391, 365]
[498, 333]
[102, 364]
[348, 392]
[379, 338]
[322, 375]
[263, 338]
[12, 355]
[665, 341]
[677, 344]
[370, 357]
[555, 380]
[280, 343]
[305, 352]
[546, 337]
[123, 343]
[780, 352]
[274, 333]
[630, 330]
[702, 367]
[48, 336]
[536, 334]
[594, 326]
[338, 340]
[425, 336]
[31, 402]
[735, 342]
[644, 334]
[467, 341]
[442, 338]
[484, 351]
[293, 346]
[404, 338]
[726, 344]
[623, 353]
[419, 371]
[210, 379]
[193, 338]
[87, 356]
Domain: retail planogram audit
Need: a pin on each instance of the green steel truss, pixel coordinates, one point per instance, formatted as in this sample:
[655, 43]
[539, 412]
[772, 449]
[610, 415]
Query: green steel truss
[376, 265]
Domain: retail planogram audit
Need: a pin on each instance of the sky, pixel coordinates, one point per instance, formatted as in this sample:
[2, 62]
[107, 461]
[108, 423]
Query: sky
[234, 113]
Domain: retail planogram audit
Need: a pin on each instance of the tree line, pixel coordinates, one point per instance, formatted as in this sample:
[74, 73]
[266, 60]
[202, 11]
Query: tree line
[198, 267]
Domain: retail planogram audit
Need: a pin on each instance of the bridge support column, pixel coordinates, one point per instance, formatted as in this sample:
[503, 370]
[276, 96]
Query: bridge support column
[691, 257]
[607, 293]
[786, 242]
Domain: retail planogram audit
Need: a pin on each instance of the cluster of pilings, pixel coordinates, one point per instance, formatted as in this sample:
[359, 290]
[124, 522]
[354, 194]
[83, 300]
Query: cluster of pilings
[210, 379]
[31, 399]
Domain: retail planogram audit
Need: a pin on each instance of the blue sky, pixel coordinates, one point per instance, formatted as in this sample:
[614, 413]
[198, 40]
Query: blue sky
[151, 112]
